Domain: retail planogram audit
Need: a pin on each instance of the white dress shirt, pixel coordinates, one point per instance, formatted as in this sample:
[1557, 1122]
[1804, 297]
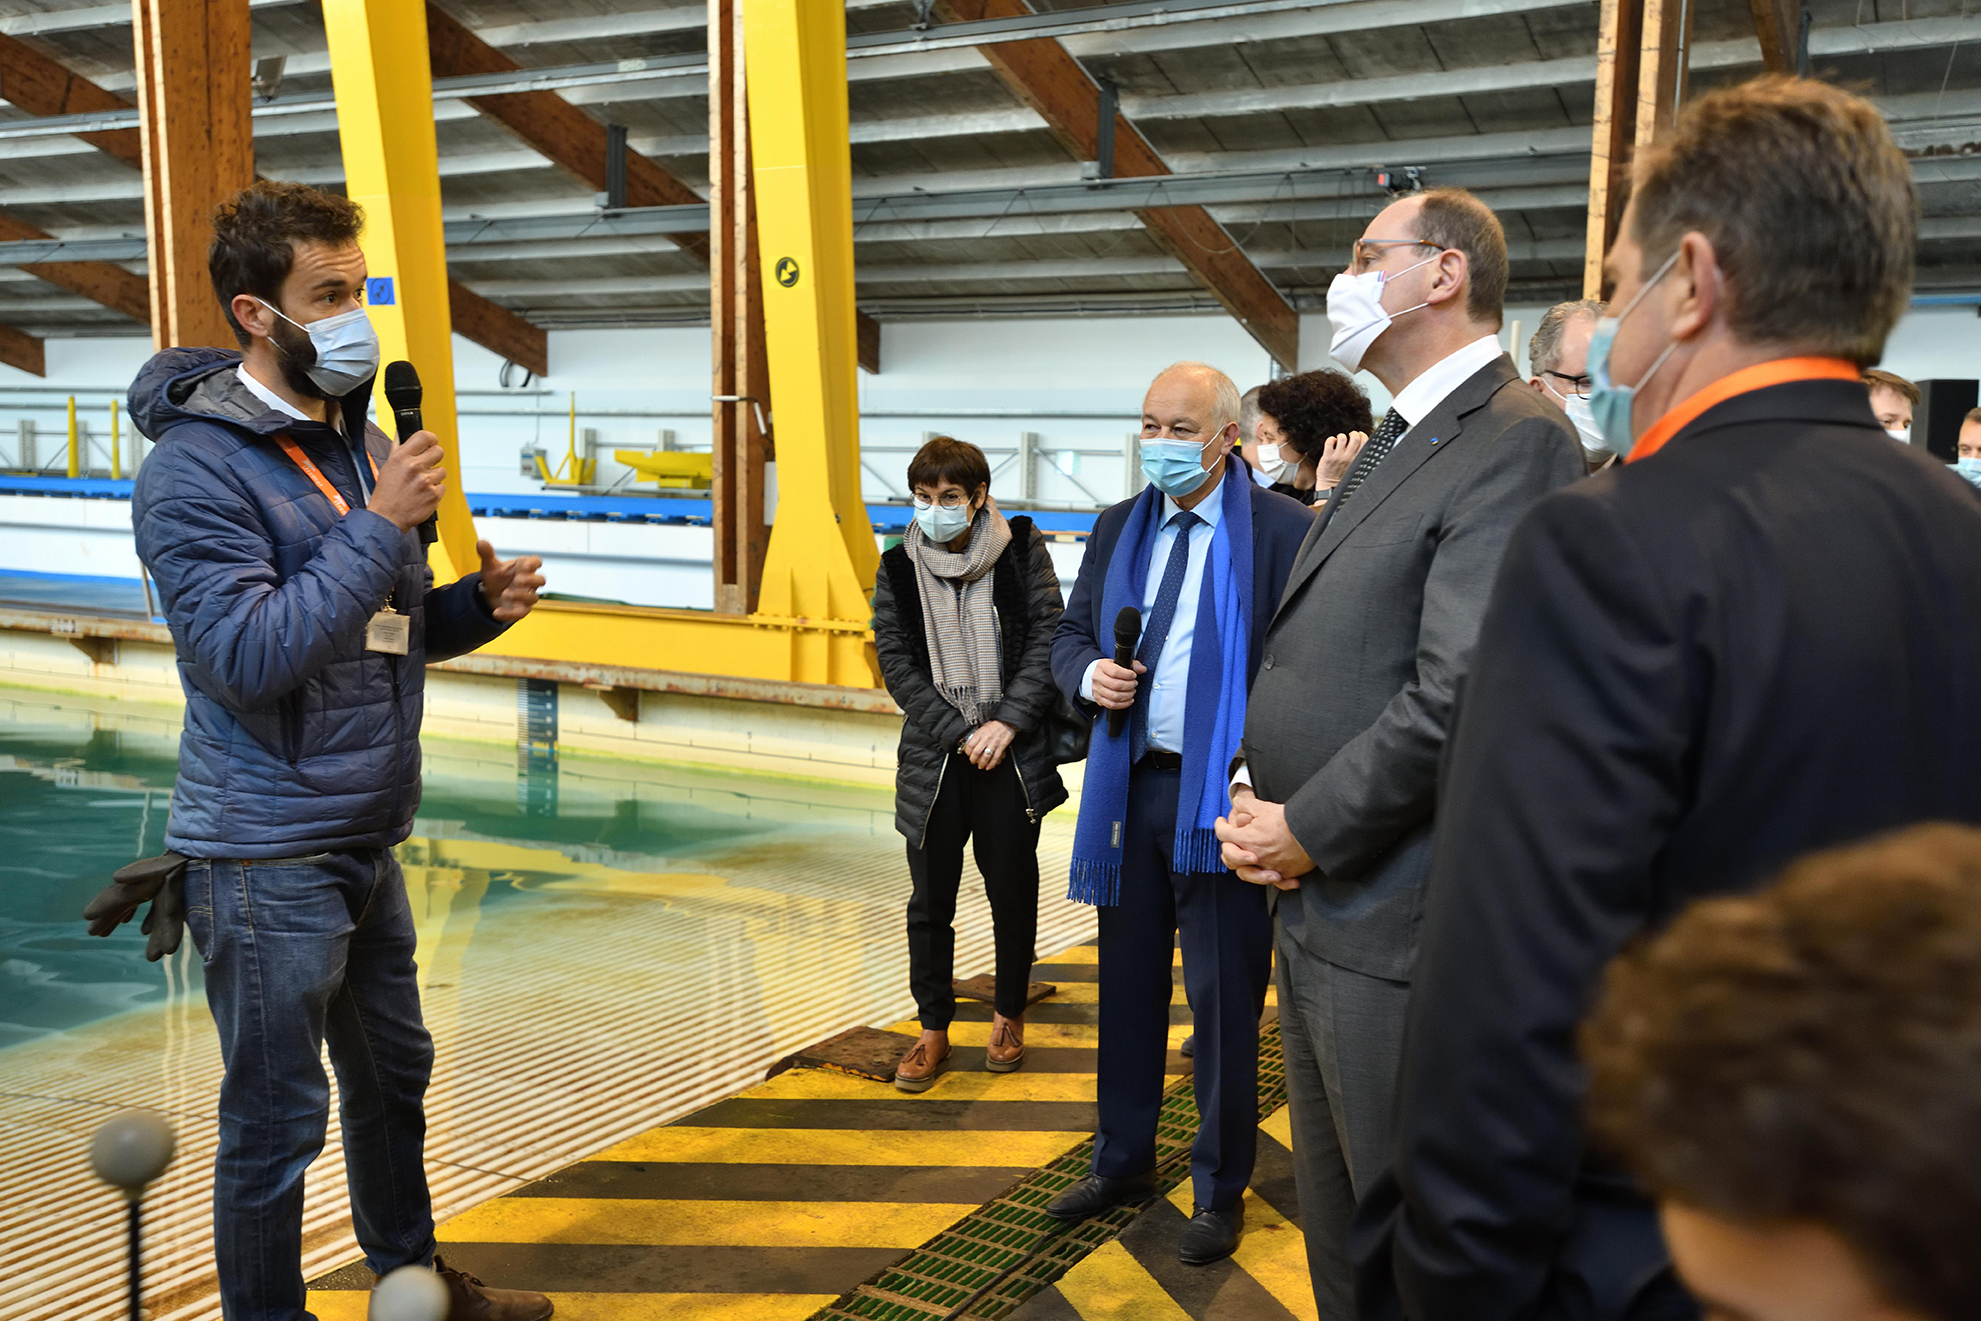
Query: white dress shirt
[1415, 402]
[1169, 684]
[281, 405]
[1434, 385]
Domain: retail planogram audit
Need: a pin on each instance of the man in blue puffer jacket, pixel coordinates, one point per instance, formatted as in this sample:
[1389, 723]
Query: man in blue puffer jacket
[281, 529]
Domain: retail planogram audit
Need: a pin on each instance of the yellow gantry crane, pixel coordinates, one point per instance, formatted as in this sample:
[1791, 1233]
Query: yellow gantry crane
[812, 619]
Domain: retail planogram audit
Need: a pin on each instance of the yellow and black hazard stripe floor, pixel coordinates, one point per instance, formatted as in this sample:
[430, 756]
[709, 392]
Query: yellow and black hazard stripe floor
[821, 1192]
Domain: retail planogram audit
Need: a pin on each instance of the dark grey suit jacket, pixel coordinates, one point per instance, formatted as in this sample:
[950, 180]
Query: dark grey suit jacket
[1350, 709]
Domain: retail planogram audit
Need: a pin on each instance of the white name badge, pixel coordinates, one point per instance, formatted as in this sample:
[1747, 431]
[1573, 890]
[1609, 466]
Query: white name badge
[389, 632]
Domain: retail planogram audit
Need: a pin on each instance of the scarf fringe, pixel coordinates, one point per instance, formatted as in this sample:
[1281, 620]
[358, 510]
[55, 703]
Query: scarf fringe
[1197, 851]
[1094, 882]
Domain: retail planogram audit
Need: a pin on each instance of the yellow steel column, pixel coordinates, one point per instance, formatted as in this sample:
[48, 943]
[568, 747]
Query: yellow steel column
[378, 66]
[821, 559]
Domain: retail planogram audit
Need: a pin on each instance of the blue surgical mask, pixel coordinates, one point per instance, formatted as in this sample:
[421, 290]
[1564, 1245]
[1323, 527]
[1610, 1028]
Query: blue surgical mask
[1970, 468]
[1609, 403]
[346, 350]
[940, 524]
[1176, 467]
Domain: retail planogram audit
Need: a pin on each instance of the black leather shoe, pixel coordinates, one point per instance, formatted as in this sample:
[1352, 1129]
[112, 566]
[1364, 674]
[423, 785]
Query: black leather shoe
[1210, 1236]
[1094, 1194]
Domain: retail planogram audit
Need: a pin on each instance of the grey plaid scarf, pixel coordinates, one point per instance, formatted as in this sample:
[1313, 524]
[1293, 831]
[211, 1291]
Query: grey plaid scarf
[957, 615]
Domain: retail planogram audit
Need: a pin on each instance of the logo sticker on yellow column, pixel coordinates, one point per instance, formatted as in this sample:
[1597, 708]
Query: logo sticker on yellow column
[786, 271]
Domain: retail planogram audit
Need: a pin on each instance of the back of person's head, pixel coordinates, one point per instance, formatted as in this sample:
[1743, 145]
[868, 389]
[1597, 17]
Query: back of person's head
[946, 459]
[1312, 406]
[1544, 349]
[1811, 1056]
[1454, 219]
[1809, 205]
[256, 231]
[1248, 414]
[1898, 385]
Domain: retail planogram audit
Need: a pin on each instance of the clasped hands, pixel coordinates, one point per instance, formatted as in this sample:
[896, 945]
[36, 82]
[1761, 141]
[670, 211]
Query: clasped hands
[987, 744]
[1258, 845]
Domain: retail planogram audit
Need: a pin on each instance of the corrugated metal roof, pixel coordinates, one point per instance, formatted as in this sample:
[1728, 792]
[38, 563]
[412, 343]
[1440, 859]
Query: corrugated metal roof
[1495, 94]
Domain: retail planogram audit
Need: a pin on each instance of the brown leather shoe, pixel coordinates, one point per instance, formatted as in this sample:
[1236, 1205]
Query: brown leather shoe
[919, 1067]
[1007, 1044]
[468, 1299]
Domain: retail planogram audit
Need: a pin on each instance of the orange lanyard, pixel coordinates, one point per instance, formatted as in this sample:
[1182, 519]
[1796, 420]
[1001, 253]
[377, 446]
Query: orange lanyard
[315, 474]
[1758, 377]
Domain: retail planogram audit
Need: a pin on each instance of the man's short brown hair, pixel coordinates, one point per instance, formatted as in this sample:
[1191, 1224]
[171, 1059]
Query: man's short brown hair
[1812, 1053]
[1898, 385]
[1809, 206]
[1453, 218]
[1973, 415]
[255, 233]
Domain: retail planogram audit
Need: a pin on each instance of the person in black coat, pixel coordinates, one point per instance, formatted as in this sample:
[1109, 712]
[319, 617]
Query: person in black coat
[1755, 638]
[964, 613]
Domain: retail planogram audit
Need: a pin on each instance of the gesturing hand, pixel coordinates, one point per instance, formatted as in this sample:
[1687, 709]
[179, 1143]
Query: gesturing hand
[509, 586]
[1338, 455]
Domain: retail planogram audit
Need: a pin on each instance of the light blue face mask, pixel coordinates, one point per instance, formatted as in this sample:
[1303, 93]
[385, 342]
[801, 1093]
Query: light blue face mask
[1969, 468]
[941, 525]
[1176, 467]
[1610, 403]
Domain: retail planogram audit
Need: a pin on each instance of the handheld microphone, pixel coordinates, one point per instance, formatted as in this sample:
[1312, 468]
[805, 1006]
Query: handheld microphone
[1127, 634]
[403, 393]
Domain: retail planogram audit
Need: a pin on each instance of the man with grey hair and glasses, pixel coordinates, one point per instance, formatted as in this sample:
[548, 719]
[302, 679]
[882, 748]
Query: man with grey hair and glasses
[1558, 363]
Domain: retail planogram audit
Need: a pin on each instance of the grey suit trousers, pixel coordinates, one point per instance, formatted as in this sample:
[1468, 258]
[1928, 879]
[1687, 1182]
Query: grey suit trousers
[1343, 1036]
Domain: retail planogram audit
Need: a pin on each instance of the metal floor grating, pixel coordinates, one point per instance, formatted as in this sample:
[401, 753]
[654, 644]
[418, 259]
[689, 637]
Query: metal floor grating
[987, 1265]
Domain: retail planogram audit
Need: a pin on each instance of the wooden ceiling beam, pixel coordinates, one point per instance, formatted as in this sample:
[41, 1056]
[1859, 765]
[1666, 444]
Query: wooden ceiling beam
[1048, 79]
[497, 329]
[42, 86]
[573, 141]
[100, 281]
[23, 351]
[1778, 25]
[560, 132]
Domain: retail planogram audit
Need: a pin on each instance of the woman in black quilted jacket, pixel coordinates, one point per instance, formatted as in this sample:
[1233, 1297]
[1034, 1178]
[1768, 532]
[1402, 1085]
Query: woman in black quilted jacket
[964, 611]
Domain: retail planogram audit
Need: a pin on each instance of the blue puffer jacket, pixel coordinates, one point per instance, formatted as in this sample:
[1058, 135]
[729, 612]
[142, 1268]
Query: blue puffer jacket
[297, 739]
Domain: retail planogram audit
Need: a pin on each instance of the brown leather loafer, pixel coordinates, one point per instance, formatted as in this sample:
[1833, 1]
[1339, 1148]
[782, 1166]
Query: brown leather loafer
[468, 1299]
[1007, 1044]
[919, 1067]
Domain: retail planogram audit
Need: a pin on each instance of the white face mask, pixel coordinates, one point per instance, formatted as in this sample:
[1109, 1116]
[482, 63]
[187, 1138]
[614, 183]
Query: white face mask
[1274, 465]
[346, 350]
[1355, 310]
[1903, 435]
[1577, 408]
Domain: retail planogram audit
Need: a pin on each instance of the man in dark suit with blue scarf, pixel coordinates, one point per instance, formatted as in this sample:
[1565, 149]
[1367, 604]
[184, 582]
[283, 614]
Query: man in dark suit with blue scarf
[1203, 554]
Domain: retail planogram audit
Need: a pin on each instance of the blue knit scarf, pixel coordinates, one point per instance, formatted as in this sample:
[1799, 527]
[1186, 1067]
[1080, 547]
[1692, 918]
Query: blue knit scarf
[1214, 705]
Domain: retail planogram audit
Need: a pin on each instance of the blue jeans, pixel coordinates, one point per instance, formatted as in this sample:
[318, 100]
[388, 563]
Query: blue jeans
[300, 951]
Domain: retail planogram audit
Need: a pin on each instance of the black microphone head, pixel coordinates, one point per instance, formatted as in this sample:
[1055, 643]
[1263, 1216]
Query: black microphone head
[402, 385]
[1127, 627]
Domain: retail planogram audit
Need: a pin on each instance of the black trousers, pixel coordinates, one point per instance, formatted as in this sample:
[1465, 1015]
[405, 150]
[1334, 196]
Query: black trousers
[1226, 935]
[987, 808]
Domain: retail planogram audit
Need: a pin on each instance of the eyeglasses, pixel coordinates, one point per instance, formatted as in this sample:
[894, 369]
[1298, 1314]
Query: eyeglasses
[1577, 385]
[1367, 252]
[949, 500]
